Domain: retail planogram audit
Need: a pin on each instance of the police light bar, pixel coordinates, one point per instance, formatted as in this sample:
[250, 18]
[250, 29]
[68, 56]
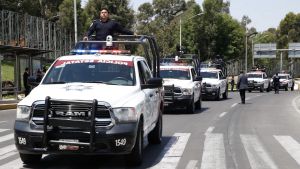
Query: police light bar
[113, 52]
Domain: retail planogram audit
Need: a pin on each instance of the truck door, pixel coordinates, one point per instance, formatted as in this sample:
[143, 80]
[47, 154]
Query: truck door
[151, 95]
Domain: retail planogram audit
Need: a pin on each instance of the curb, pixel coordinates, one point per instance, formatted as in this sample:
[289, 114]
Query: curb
[8, 106]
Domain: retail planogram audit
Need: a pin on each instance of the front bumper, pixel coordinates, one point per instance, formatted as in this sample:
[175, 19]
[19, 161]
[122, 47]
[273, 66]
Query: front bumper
[30, 139]
[253, 86]
[177, 101]
[209, 92]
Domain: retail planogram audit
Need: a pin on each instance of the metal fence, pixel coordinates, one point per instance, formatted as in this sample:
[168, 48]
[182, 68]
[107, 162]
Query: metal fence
[22, 30]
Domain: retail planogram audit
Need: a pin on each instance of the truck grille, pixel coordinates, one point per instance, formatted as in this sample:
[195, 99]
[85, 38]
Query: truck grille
[170, 90]
[72, 111]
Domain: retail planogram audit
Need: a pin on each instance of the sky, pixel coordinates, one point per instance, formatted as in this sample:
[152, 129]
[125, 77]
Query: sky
[263, 13]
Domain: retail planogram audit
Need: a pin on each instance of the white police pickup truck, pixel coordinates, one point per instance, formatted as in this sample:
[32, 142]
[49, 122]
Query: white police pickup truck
[286, 81]
[103, 103]
[258, 80]
[214, 83]
[182, 87]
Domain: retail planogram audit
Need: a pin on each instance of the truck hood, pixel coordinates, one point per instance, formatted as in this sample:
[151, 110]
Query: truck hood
[177, 83]
[83, 91]
[256, 79]
[210, 81]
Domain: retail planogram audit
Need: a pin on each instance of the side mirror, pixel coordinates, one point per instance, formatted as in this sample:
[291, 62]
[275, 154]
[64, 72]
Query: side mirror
[198, 78]
[152, 83]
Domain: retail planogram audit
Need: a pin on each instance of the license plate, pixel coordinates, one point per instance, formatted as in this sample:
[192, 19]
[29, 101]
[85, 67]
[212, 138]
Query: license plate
[68, 147]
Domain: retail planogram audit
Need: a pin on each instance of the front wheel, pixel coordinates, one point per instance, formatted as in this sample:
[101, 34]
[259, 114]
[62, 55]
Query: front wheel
[30, 158]
[190, 108]
[199, 103]
[225, 94]
[135, 158]
[155, 135]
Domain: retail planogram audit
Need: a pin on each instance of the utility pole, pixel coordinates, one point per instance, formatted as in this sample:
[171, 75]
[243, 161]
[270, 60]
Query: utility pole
[75, 20]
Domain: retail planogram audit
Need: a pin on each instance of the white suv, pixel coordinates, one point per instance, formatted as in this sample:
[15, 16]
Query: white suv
[182, 87]
[214, 83]
[258, 80]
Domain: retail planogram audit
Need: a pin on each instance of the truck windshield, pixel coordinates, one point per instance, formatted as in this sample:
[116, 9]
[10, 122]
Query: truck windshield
[283, 77]
[211, 75]
[175, 74]
[252, 75]
[91, 71]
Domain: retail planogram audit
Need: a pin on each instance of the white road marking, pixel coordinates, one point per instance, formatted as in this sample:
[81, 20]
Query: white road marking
[234, 105]
[223, 114]
[214, 152]
[257, 155]
[7, 149]
[209, 130]
[173, 151]
[192, 164]
[2, 122]
[248, 98]
[7, 137]
[9, 154]
[290, 145]
[294, 103]
[2, 130]
[15, 164]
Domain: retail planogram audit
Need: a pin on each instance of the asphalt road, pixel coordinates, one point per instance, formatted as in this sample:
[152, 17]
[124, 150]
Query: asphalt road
[262, 134]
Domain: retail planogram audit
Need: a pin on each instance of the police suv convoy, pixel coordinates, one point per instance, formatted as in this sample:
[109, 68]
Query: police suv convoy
[92, 104]
[214, 83]
[182, 87]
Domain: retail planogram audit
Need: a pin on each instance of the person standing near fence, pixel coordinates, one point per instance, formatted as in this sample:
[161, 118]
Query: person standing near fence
[232, 82]
[25, 81]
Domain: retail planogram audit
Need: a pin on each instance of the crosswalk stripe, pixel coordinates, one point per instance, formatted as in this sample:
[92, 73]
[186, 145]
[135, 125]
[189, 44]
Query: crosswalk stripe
[192, 164]
[9, 154]
[209, 130]
[7, 137]
[2, 130]
[257, 155]
[15, 164]
[173, 151]
[7, 149]
[291, 146]
[214, 152]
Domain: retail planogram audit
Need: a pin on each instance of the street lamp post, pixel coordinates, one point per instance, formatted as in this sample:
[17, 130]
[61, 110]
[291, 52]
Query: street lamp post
[75, 20]
[180, 25]
[252, 41]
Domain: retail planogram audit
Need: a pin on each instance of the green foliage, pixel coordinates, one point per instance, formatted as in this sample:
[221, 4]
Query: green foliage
[7, 70]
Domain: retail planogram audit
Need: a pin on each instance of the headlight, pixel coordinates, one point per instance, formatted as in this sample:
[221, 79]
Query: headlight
[127, 114]
[23, 112]
[187, 91]
[214, 86]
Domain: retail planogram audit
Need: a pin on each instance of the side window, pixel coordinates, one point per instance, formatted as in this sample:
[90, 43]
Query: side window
[144, 72]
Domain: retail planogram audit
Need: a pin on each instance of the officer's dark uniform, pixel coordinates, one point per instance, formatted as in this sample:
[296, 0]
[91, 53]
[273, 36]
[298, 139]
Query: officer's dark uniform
[276, 83]
[242, 85]
[103, 29]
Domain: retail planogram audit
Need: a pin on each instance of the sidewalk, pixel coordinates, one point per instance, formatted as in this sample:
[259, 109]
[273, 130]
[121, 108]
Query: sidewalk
[8, 104]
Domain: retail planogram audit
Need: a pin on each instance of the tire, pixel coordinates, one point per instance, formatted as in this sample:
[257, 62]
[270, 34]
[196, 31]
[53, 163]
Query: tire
[286, 88]
[155, 135]
[225, 94]
[190, 108]
[261, 89]
[135, 158]
[30, 158]
[249, 91]
[199, 103]
[218, 95]
[269, 88]
[292, 88]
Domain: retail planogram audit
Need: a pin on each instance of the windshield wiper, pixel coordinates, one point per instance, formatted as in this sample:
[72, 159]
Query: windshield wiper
[58, 82]
[96, 82]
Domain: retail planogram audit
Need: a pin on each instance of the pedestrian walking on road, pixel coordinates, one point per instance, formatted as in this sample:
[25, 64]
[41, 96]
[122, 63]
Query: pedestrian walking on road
[242, 86]
[276, 83]
[232, 82]
[25, 81]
